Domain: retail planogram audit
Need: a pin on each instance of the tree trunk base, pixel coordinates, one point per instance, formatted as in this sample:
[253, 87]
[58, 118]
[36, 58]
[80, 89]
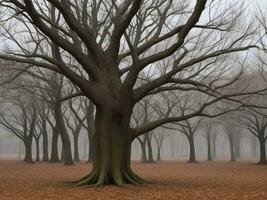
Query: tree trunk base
[262, 163]
[97, 179]
[192, 161]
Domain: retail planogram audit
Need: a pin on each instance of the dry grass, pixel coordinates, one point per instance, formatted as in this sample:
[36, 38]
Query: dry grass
[173, 180]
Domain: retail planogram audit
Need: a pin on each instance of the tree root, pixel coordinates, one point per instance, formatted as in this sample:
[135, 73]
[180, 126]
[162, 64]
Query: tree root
[94, 179]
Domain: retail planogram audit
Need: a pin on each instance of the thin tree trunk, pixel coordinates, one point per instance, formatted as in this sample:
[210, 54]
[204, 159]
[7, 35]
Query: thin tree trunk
[62, 157]
[192, 154]
[64, 134]
[28, 150]
[149, 148]
[37, 150]
[159, 153]
[232, 151]
[237, 150]
[209, 147]
[91, 129]
[45, 144]
[76, 148]
[54, 150]
[262, 160]
[143, 152]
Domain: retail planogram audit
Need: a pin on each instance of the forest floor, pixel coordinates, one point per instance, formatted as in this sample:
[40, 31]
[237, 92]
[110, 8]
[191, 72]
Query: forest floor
[172, 180]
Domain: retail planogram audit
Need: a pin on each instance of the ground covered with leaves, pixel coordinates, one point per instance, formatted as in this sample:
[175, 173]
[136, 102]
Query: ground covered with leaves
[172, 180]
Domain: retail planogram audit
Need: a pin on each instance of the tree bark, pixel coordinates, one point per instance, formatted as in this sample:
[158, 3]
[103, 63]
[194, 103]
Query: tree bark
[112, 151]
[64, 134]
[150, 150]
[192, 154]
[37, 150]
[262, 160]
[45, 143]
[76, 148]
[28, 150]
[91, 129]
[54, 150]
[62, 155]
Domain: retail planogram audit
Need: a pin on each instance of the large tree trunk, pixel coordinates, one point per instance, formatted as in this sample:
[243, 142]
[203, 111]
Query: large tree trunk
[192, 154]
[262, 160]
[28, 150]
[64, 134]
[112, 151]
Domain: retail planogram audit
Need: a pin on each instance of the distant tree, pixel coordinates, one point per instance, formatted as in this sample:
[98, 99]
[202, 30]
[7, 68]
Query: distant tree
[19, 118]
[76, 126]
[256, 123]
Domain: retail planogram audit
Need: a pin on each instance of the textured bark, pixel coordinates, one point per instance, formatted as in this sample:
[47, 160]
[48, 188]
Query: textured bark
[112, 151]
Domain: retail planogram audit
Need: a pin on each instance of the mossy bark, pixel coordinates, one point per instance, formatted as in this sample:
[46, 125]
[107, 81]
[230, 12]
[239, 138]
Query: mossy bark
[112, 152]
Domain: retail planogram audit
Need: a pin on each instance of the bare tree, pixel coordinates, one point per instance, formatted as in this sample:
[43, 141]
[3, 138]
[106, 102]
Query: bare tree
[256, 123]
[20, 120]
[76, 126]
[104, 56]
